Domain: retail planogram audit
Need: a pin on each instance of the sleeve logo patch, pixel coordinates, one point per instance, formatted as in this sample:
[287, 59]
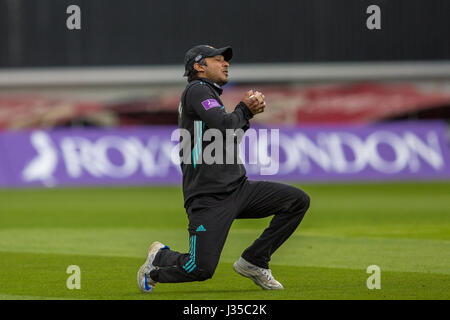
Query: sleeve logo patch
[210, 103]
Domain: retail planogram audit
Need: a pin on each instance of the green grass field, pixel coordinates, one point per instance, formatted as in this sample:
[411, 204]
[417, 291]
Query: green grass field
[402, 228]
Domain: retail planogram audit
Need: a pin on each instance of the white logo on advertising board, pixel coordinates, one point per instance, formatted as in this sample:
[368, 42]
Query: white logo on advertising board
[44, 164]
[156, 156]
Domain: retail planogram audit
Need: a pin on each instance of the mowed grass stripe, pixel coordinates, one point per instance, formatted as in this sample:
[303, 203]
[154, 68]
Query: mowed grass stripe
[405, 206]
[391, 254]
[44, 275]
[16, 297]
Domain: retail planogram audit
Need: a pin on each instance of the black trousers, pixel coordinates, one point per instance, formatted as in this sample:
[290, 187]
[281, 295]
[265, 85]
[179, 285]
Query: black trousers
[210, 219]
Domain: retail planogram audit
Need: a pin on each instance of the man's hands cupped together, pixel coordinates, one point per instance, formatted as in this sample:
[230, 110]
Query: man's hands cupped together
[254, 100]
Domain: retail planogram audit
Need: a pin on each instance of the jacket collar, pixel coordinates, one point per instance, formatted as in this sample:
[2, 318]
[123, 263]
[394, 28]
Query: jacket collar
[212, 84]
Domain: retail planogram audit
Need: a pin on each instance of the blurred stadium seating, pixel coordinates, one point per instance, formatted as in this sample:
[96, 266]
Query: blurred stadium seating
[103, 76]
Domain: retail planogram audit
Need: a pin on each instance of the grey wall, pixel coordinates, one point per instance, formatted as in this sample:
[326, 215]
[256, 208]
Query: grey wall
[33, 33]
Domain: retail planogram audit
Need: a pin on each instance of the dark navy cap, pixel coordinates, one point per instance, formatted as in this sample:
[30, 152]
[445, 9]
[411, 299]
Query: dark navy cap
[197, 53]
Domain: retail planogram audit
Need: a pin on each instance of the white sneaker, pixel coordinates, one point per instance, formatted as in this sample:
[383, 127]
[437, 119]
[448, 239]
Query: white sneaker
[262, 277]
[145, 283]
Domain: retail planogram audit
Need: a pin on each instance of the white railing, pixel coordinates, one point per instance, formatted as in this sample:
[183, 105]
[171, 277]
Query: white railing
[279, 72]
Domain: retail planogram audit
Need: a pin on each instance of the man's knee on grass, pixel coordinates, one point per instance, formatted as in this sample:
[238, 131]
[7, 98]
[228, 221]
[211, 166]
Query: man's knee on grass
[202, 274]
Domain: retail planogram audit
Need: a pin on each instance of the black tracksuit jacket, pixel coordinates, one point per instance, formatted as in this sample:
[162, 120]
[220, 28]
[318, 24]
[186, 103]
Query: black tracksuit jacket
[201, 109]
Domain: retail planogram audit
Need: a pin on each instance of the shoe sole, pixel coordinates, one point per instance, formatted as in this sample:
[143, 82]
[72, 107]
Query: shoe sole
[255, 279]
[141, 272]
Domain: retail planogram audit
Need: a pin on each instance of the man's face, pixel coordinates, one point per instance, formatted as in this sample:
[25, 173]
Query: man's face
[216, 70]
